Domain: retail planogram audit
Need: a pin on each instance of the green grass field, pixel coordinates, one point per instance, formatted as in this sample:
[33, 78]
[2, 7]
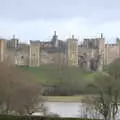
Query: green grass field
[78, 98]
[63, 98]
[49, 74]
[43, 73]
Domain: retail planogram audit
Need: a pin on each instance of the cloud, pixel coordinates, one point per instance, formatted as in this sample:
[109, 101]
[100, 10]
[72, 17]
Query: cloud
[110, 29]
[52, 9]
[38, 19]
[43, 29]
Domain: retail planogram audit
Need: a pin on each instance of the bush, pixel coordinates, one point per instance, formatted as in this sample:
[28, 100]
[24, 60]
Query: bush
[9, 117]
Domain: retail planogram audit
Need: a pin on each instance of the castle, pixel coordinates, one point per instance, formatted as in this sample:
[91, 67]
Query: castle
[90, 55]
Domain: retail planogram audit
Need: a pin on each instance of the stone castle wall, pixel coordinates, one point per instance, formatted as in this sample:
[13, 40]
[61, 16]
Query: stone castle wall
[91, 51]
[112, 51]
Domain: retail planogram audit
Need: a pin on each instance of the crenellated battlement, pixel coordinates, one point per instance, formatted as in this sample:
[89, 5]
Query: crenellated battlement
[91, 53]
[111, 45]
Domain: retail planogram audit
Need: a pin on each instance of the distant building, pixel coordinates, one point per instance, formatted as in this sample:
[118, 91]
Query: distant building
[90, 55]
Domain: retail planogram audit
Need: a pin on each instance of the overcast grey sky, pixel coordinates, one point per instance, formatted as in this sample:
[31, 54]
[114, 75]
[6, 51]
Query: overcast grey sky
[37, 19]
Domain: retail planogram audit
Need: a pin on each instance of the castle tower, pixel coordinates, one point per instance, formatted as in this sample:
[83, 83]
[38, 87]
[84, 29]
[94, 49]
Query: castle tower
[72, 52]
[101, 52]
[34, 54]
[2, 45]
[13, 43]
[55, 40]
[118, 44]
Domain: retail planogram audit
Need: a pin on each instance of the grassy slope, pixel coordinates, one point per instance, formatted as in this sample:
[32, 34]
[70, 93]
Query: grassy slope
[43, 74]
[49, 74]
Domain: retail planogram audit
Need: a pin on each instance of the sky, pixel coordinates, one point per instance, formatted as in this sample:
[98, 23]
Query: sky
[38, 19]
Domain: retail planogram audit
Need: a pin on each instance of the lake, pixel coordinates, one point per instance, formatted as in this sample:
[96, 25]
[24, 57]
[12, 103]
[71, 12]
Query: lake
[68, 109]
[72, 109]
[64, 109]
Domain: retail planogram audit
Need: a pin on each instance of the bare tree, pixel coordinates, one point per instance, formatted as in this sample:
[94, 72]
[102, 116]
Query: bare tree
[20, 93]
[108, 95]
[106, 84]
[88, 108]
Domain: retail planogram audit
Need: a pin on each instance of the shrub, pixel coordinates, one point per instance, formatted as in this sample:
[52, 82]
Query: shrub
[9, 117]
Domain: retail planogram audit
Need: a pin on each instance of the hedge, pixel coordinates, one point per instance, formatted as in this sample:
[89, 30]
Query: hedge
[9, 117]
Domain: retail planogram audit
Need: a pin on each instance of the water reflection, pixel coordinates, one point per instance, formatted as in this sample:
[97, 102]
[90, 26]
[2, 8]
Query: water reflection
[73, 109]
[64, 109]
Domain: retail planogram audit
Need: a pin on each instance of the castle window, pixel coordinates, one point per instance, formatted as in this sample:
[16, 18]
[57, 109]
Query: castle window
[22, 57]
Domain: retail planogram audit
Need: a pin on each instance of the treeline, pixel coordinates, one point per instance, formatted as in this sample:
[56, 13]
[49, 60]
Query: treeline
[67, 81]
[61, 81]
